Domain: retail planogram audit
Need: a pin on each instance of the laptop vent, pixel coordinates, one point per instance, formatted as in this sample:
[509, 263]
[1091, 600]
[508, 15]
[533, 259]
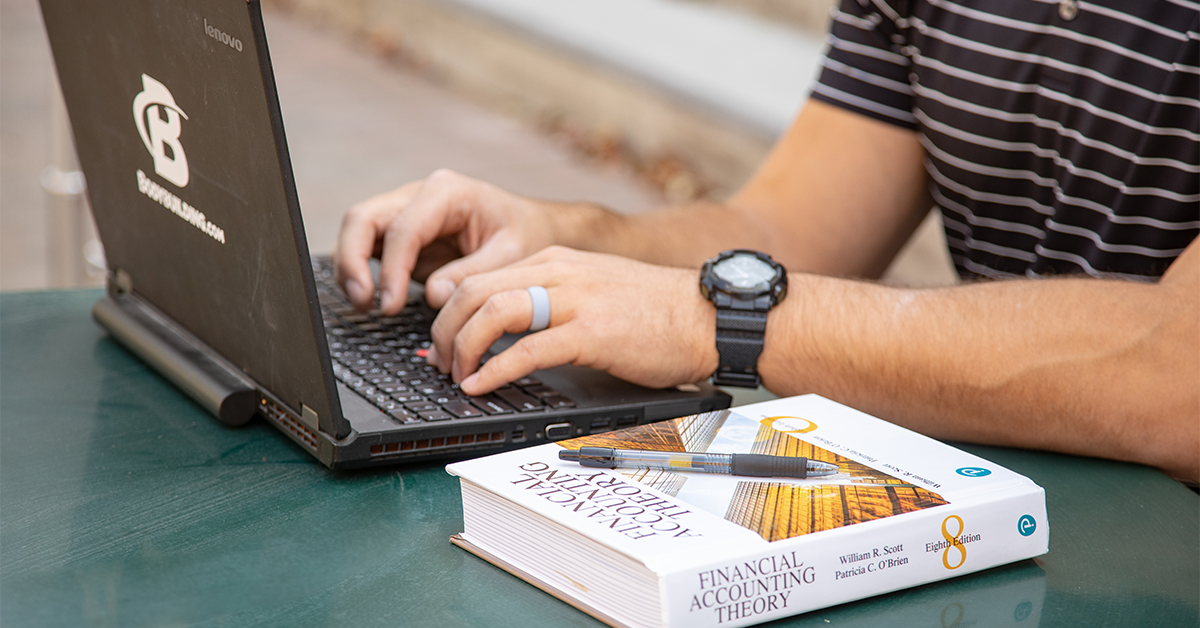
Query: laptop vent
[299, 432]
[493, 438]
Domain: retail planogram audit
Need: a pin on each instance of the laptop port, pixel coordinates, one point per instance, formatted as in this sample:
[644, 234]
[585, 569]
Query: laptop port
[518, 436]
[627, 421]
[558, 431]
[600, 425]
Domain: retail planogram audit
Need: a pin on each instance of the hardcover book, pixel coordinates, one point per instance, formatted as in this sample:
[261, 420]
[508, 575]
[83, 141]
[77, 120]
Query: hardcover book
[666, 547]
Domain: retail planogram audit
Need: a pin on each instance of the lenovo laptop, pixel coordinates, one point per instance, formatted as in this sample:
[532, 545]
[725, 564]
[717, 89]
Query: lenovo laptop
[180, 137]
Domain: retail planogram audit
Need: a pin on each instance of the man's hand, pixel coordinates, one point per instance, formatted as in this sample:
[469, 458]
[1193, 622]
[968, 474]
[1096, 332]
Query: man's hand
[839, 195]
[642, 323]
[443, 229]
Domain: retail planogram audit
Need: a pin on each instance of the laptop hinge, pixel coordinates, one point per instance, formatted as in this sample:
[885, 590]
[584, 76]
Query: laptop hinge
[309, 418]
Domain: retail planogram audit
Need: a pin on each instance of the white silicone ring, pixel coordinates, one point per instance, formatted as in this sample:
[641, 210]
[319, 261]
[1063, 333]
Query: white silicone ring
[541, 308]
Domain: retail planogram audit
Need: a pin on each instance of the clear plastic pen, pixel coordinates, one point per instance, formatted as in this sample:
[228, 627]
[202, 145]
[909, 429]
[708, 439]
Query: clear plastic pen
[754, 465]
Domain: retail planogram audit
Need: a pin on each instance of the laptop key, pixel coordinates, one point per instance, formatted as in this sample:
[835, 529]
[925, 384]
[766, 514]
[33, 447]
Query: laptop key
[462, 409]
[434, 415]
[420, 406]
[559, 402]
[404, 416]
[541, 391]
[491, 405]
[519, 400]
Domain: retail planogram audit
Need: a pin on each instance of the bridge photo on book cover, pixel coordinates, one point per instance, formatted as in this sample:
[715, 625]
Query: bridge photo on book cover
[775, 509]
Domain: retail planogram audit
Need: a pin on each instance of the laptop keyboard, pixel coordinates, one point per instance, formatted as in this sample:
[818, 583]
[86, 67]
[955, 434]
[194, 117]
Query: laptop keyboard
[382, 358]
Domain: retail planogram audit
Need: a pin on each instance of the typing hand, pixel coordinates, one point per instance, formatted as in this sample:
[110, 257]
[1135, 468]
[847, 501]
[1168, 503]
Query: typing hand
[446, 227]
[642, 323]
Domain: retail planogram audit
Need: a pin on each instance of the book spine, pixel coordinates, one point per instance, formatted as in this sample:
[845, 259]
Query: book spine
[816, 571]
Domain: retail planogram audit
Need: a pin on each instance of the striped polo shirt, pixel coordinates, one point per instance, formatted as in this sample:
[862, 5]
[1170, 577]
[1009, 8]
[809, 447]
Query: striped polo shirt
[1061, 137]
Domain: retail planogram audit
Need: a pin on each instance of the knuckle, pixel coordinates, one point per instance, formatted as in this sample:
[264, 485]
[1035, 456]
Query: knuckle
[525, 351]
[438, 328]
[497, 304]
[471, 286]
[461, 349]
[443, 176]
[359, 212]
[557, 251]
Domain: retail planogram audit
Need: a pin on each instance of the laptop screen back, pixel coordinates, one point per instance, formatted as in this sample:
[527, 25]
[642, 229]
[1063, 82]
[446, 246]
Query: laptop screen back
[178, 131]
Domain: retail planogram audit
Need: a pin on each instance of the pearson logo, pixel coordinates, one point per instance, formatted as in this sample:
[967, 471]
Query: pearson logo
[1026, 525]
[973, 472]
[158, 123]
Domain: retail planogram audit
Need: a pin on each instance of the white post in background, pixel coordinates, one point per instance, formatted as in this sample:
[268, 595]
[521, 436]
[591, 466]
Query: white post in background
[74, 256]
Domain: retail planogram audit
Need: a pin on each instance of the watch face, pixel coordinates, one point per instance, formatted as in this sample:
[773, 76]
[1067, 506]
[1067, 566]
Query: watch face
[745, 272]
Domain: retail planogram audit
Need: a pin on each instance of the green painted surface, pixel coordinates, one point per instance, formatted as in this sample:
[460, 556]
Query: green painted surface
[123, 504]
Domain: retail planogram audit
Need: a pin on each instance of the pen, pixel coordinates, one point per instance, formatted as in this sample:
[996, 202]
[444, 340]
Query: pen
[756, 465]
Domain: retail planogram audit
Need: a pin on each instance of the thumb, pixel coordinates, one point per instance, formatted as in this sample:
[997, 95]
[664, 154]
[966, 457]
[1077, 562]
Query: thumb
[498, 251]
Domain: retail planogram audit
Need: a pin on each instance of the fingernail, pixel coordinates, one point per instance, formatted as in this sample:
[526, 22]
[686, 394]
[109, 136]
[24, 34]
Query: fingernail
[385, 299]
[469, 383]
[439, 290]
[355, 291]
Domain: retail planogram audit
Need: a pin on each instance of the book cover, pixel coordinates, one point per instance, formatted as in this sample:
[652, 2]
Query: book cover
[644, 547]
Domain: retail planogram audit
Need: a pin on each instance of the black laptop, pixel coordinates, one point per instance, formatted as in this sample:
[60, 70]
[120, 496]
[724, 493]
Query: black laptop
[179, 134]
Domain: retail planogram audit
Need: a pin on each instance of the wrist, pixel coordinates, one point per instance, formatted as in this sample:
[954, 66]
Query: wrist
[697, 315]
[788, 351]
[743, 286]
[586, 227]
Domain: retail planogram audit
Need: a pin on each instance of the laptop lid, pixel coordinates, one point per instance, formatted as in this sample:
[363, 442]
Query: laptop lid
[180, 138]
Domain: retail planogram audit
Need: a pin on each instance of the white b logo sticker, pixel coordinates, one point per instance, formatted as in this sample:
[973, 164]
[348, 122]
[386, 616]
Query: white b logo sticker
[161, 135]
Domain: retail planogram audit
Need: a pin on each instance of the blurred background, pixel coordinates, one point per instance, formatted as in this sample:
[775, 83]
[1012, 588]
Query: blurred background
[629, 103]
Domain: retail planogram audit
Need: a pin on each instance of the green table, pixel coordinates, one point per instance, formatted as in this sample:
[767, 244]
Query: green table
[123, 504]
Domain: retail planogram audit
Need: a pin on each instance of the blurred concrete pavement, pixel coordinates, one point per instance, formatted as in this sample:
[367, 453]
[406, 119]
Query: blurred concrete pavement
[356, 126]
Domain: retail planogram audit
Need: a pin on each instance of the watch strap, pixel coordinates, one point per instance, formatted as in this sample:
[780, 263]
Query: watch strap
[739, 343]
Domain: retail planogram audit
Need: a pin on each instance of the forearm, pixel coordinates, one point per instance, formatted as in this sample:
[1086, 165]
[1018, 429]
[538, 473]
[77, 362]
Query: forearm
[1084, 366]
[681, 236]
[838, 195]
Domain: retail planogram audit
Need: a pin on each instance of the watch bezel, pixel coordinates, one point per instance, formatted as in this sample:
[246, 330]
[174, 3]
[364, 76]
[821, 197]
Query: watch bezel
[711, 284]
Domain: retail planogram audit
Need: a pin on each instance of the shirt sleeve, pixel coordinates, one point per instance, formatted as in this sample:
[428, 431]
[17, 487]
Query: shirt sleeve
[865, 69]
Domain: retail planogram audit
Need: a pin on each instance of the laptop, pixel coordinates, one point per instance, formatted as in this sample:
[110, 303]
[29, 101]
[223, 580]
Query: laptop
[179, 135]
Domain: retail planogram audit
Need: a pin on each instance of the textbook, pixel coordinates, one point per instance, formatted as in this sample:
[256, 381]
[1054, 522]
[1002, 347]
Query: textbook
[666, 544]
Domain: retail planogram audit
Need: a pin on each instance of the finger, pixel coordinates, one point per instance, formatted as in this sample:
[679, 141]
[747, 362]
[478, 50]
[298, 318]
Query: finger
[437, 209]
[508, 311]
[495, 253]
[358, 238]
[470, 296]
[441, 252]
[546, 349]
[554, 253]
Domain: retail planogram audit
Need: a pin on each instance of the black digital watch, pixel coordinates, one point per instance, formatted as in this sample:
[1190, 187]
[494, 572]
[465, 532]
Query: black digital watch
[743, 285]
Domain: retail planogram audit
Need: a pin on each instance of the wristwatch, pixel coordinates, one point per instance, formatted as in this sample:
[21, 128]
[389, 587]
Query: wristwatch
[743, 285]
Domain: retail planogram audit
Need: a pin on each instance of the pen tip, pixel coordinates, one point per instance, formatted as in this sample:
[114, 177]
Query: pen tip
[569, 454]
